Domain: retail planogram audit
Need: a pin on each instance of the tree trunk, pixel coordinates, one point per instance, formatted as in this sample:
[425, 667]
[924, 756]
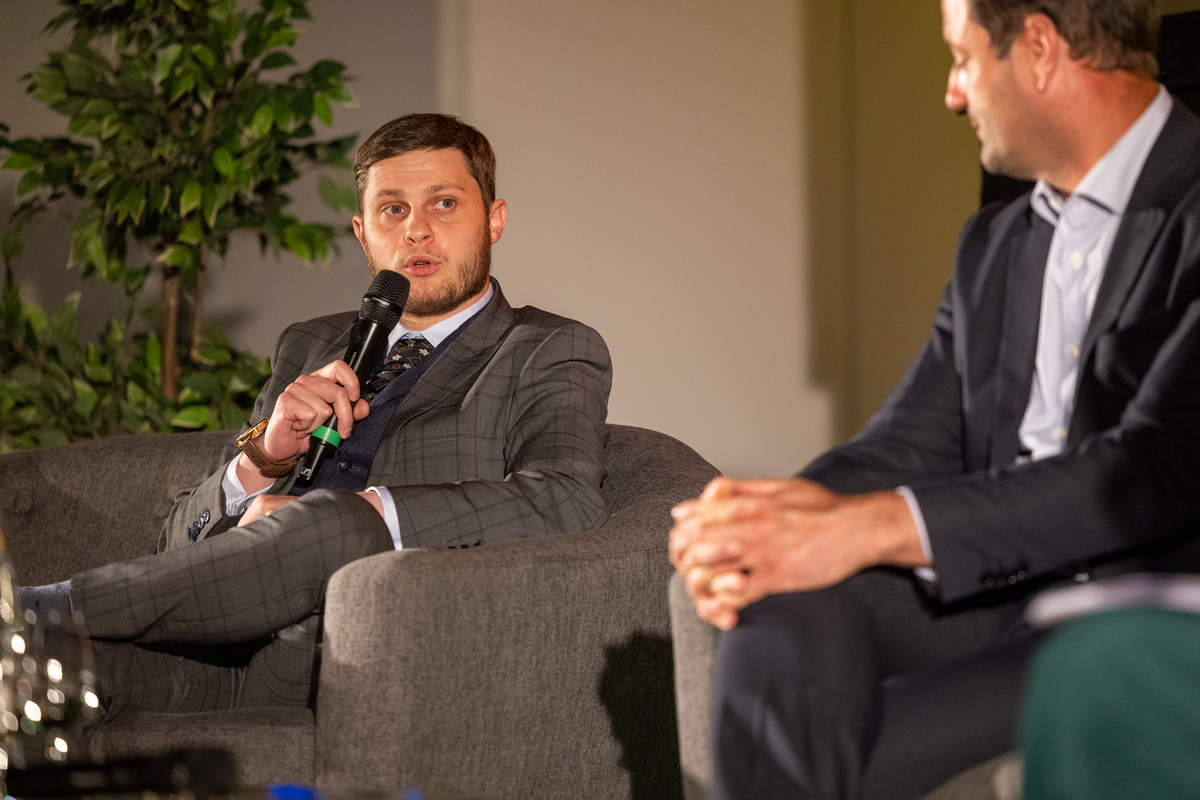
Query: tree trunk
[198, 313]
[170, 334]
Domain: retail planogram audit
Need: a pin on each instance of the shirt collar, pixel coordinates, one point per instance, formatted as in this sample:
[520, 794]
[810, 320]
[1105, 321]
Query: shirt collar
[436, 333]
[1110, 181]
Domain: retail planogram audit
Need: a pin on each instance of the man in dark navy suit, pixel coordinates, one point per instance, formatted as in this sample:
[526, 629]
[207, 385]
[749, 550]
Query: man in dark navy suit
[1049, 430]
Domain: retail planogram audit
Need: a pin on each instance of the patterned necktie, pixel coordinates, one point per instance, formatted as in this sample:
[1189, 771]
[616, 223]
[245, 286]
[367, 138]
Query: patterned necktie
[404, 355]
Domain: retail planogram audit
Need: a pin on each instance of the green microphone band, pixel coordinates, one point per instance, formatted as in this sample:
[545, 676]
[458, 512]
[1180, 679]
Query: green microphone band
[327, 435]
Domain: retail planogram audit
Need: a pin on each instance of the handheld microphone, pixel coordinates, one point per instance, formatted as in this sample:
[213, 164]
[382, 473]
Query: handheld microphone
[379, 313]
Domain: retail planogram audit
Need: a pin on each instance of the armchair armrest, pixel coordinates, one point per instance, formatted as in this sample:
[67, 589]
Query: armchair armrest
[496, 670]
[694, 643]
[67, 509]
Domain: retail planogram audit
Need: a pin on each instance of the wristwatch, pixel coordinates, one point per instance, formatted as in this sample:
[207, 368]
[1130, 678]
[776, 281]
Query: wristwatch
[267, 466]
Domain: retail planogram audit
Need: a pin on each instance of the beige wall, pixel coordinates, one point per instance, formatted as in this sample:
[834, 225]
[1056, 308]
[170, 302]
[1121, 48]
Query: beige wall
[900, 177]
[651, 155]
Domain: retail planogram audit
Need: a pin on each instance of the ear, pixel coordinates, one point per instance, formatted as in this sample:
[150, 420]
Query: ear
[497, 218]
[358, 230]
[1045, 48]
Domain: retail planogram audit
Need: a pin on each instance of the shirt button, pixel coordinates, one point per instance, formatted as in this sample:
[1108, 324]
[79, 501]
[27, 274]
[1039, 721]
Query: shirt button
[343, 466]
[1076, 260]
[1074, 351]
[1062, 433]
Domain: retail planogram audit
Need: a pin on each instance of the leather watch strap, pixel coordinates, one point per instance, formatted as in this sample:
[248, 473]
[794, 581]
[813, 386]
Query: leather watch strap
[267, 466]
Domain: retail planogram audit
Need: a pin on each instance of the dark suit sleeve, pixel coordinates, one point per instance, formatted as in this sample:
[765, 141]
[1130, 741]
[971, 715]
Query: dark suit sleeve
[200, 509]
[553, 417]
[1123, 489]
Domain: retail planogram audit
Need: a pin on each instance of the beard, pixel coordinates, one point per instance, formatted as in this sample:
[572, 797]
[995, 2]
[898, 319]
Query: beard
[468, 278]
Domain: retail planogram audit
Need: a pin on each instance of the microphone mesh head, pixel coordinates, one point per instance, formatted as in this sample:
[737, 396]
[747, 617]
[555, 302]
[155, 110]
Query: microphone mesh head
[385, 299]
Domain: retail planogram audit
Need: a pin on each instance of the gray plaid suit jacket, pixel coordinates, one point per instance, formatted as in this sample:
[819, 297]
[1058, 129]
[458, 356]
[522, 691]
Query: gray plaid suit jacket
[502, 438]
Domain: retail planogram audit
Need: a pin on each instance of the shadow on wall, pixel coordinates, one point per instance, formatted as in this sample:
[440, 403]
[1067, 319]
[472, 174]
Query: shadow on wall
[637, 689]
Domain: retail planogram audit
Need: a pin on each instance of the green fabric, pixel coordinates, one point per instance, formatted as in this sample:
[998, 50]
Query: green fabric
[1113, 709]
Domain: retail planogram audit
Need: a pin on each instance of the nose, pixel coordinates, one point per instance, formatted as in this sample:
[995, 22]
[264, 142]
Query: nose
[417, 229]
[956, 99]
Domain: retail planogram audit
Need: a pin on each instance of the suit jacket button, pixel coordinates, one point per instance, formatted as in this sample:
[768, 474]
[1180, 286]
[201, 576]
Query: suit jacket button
[192, 534]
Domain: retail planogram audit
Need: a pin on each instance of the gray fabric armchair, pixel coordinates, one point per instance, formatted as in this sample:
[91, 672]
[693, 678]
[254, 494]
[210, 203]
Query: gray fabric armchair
[694, 644]
[533, 669]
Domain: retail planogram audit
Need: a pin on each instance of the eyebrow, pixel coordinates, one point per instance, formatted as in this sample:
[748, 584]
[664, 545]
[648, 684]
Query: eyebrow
[401, 194]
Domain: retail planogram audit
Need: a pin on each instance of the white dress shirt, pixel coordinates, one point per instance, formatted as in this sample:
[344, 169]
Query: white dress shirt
[236, 499]
[1085, 224]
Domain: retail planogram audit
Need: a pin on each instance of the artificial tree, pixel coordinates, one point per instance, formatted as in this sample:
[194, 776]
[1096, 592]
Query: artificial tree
[178, 135]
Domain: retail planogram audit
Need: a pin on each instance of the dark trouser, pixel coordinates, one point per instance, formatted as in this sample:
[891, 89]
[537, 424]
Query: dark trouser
[232, 621]
[863, 690]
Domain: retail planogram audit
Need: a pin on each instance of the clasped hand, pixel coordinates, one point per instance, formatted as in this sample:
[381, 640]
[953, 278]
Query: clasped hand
[742, 540]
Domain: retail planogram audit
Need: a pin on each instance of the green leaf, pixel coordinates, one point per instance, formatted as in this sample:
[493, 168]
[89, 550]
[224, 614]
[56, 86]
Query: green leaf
[203, 384]
[135, 394]
[277, 60]
[85, 398]
[34, 314]
[341, 93]
[96, 254]
[204, 55]
[132, 205]
[284, 37]
[190, 199]
[206, 92]
[19, 161]
[160, 195]
[337, 196]
[98, 374]
[29, 181]
[322, 108]
[192, 417]
[192, 233]
[216, 355]
[183, 84]
[135, 279]
[223, 162]
[179, 255]
[264, 118]
[164, 60]
[325, 70]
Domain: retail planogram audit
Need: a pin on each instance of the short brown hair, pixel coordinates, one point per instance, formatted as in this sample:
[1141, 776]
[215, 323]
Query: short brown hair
[1110, 34]
[428, 132]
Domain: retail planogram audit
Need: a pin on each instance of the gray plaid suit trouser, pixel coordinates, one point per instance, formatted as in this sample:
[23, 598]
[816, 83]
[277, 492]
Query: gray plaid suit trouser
[229, 622]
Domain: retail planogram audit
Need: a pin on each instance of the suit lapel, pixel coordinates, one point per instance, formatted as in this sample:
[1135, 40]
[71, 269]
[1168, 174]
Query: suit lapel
[463, 357]
[1157, 189]
[1019, 334]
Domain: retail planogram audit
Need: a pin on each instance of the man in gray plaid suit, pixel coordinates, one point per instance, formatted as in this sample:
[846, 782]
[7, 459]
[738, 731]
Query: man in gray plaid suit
[497, 434]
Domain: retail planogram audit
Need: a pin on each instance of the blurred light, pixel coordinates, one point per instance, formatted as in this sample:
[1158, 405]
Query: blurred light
[54, 670]
[18, 644]
[90, 699]
[32, 711]
[55, 696]
[9, 719]
[60, 744]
